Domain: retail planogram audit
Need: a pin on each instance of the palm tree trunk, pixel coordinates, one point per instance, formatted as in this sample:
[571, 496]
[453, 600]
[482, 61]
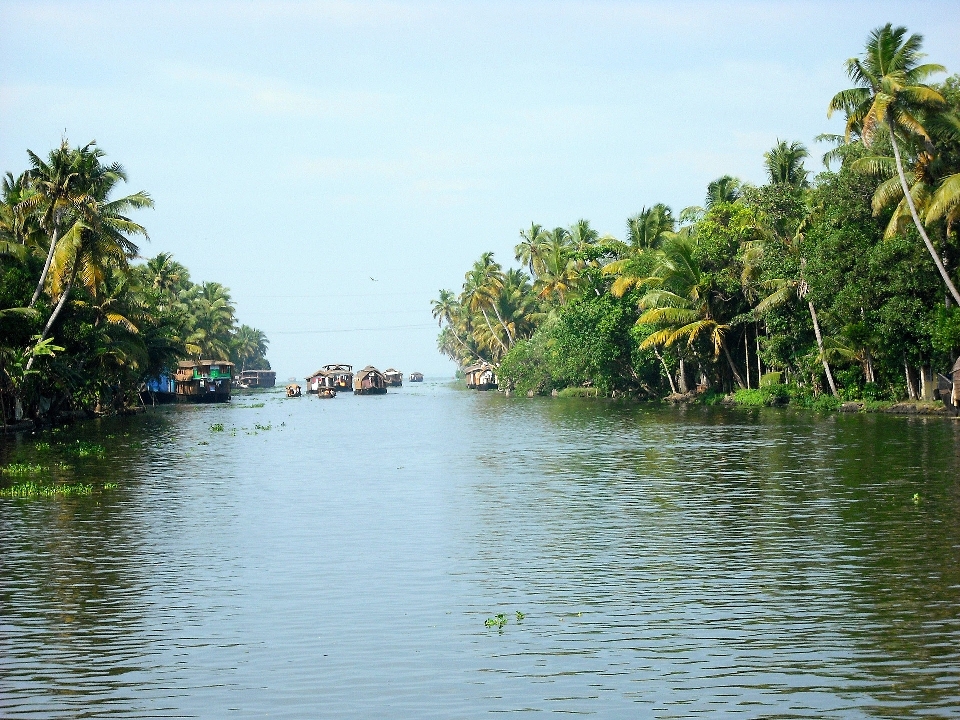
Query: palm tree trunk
[46, 267]
[673, 387]
[911, 393]
[746, 355]
[756, 334]
[53, 317]
[823, 356]
[490, 327]
[916, 219]
[733, 368]
[500, 318]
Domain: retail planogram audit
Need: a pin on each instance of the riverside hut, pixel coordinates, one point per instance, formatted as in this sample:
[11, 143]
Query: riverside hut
[394, 378]
[369, 381]
[416, 376]
[342, 376]
[250, 379]
[949, 387]
[203, 381]
[480, 376]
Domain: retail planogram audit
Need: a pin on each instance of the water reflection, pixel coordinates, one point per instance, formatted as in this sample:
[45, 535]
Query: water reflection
[669, 562]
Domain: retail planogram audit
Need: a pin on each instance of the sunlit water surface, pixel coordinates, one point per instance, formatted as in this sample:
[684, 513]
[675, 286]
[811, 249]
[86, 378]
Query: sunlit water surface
[343, 562]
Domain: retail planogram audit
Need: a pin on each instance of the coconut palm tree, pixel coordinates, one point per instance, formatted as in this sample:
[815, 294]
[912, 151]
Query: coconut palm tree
[560, 277]
[889, 94]
[528, 250]
[647, 228]
[784, 164]
[725, 189]
[476, 296]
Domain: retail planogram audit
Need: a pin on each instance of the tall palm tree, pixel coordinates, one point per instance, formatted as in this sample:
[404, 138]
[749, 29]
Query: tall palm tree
[476, 297]
[725, 189]
[647, 228]
[560, 277]
[447, 309]
[784, 164]
[529, 248]
[493, 274]
[889, 94]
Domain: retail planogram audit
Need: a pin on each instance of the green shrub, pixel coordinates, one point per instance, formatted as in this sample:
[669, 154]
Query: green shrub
[750, 398]
[770, 379]
[579, 392]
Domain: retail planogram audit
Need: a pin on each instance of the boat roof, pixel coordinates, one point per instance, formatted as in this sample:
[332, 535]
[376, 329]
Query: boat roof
[368, 370]
[194, 363]
[341, 367]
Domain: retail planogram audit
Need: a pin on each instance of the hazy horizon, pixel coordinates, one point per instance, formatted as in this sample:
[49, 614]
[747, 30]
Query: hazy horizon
[336, 164]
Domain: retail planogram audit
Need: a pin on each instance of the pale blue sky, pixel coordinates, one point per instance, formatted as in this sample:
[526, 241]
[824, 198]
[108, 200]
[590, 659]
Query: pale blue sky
[295, 149]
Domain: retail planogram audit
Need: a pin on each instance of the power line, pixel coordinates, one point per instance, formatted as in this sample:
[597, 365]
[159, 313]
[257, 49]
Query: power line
[349, 330]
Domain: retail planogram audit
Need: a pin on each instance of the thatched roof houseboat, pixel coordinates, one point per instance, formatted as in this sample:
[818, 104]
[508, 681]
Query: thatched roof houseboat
[342, 376]
[480, 376]
[394, 378]
[416, 376]
[250, 379]
[203, 380]
[369, 381]
[321, 379]
[293, 390]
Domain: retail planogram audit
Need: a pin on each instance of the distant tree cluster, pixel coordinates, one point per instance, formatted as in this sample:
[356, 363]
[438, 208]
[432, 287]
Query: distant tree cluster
[81, 325]
[841, 285]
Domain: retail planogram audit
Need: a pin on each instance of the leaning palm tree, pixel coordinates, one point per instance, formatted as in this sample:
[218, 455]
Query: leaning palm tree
[784, 164]
[888, 95]
[476, 297]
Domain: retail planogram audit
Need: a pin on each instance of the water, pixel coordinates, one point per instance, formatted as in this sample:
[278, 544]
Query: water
[669, 562]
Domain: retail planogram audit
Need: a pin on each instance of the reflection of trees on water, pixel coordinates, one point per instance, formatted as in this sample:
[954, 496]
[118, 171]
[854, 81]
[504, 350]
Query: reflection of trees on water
[794, 533]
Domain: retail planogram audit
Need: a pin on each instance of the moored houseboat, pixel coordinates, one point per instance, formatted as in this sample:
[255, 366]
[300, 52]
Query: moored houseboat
[293, 390]
[342, 376]
[480, 376]
[393, 378]
[369, 381]
[250, 379]
[203, 380]
[416, 376]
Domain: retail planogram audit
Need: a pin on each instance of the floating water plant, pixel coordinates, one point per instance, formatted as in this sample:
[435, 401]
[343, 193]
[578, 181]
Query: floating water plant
[258, 426]
[497, 621]
[916, 498]
[21, 469]
[216, 427]
[32, 489]
[82, 448]
[520, 616]
[42, 446]
[109, 486]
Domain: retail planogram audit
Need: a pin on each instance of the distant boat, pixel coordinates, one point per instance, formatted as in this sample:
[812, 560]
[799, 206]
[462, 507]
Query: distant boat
[393, 378]
[416, 377]
[250, 379]
[342, 376]
[369, 381]
[480, 377]
[203, 381]
[293, 390]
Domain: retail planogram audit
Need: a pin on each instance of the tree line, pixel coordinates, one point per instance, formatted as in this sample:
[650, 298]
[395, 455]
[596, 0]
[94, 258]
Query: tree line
[83, 324]
[826, 287]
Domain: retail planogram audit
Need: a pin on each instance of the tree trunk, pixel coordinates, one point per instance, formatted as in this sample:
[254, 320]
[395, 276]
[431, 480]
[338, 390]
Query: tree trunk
[53, 318]
[926, 380]
[682, 378]
[916, 219]
[911, 392]
[666, 370]
[746, 355]
[823, 356]
[46, 267]
[756, 331]
[733, 368]
[490, 327]
[506, 329]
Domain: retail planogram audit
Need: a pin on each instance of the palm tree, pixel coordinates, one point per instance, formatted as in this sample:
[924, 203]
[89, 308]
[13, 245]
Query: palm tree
[680, 301]
[726, 189]
[493, 282]
[647, 228]
[784, 164]
[945, 202]
[582, 236]
[248, 344]
[560, 277]
[476, 296]
[889, 93]
[446, 308]
[528, 250]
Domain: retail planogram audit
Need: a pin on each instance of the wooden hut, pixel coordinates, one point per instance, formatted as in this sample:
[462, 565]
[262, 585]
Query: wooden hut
[342, 376]
[203, 380]
[394, 378]
[480, 376]
[250, 379]
[949, 387]
[369, 381]
[416, 376]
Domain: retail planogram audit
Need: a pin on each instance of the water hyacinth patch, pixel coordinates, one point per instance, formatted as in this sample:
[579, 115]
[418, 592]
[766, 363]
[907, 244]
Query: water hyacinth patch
[22, 469]
[31, 489]
[216, 427]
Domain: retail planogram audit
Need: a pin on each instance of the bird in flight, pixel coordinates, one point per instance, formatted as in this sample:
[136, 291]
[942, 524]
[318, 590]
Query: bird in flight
[374, 279]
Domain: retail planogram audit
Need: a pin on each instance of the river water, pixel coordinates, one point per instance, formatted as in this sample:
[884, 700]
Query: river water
[340, 561]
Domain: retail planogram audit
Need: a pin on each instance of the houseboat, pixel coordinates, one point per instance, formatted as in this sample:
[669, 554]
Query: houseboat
[480, 376]
[250, 379]
[394, 378]
[416, 377]
[293, 390]
[342, 376]
[369, 381]
[159, 391]
[320, 380]
[203, 381]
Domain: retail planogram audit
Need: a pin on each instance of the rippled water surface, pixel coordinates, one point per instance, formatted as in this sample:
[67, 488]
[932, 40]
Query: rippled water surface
[342, 563]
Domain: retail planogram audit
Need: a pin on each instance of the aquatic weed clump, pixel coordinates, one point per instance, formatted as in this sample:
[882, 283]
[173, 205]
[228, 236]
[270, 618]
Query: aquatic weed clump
[32, 489]
[85, 449]
[216, 427]
[17, 469]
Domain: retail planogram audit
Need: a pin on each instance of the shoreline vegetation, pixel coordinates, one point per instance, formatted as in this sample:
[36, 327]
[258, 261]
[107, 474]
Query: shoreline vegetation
[833, 291]
[83, 324]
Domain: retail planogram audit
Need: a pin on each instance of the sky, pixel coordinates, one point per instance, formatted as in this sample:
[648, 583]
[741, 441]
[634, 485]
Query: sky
[336, 163]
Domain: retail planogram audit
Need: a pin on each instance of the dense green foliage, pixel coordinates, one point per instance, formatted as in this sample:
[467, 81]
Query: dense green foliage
[82, 326]
[834, 285]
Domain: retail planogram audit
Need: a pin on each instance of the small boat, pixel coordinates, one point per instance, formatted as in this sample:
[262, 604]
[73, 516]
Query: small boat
[393, 378]
[369, 381]
[293, 390]
[326, 393]
[416, 377]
